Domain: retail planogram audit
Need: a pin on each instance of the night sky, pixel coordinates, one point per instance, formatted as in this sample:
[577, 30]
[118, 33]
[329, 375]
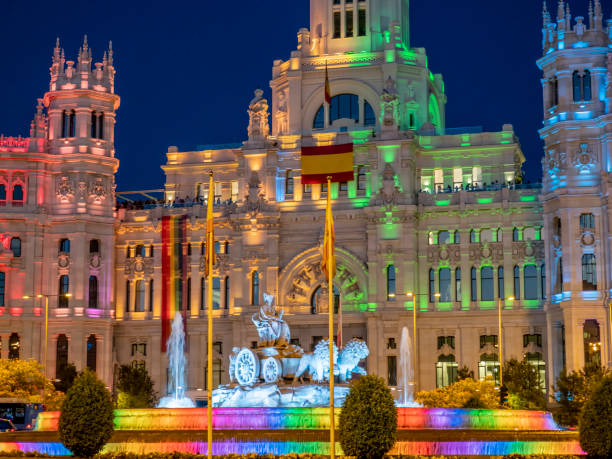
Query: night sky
[186, 70]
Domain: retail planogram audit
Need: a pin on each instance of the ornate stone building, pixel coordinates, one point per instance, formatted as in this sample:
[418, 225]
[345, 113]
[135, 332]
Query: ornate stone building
[436, 218]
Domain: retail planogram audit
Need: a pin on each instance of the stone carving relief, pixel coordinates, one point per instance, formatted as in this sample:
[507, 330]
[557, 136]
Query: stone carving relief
[487, 252]
[258, 117]
[65, 189]
[528, 251]
[281, 113]
[139, 267]
[389, 104]
[255, 202]
[82, 191]
[389, 194]
[97, 191]
[443, 253]
[584, 159]
[95, 261]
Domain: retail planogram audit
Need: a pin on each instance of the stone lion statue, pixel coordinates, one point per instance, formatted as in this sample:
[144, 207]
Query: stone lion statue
[349, 358]
[317, 362]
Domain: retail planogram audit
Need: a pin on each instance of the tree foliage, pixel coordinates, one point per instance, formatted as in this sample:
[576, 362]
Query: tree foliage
[86, 421]
[368, 421]
[523, 383]
[24, 379]
[65, 377]
[573, 390]
[464, 373]
[465, 393]
[135, 388]
[596, 421]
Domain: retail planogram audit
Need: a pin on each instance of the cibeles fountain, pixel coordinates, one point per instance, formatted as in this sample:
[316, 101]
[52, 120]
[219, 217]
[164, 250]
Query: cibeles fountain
[273, 374]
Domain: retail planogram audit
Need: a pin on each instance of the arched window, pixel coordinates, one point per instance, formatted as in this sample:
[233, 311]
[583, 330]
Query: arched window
[93, 292]
[486, 283]
[473, 285]
[140, 251]
[72, 123]
[446, 371]
[543, 280]
[500, 235]
[516, 237]
[458, 285]
[226, 297]
[517, 283]
[488, 368]
[2, 287]
[18, 193]
[444, 237]
[128, 252]
[530, 276]
[592, 342]
[140, 296]
[587, 221]
[473, 236]
[557, 227]
[554, 91]
[432, 286]
[94, 246]
[16, 247]
[529, 234]
[101, 126]
[345, 106]
[445, 284]
[587, 94]
[500, 283]
[255, 288]
[64, 124]
[64, 246]
[14, 346]
[486, 235]
[577, 86]
[61, 354]
[151, 295]
[216, 293]
[2, 192]
[94, 125]
[457, 235]
[589, 274]
[92, 352]
[315, 300]
[202, 293]
[391, 283]
[288, 182]
[362, 177]
[128, 297]
[63, 289]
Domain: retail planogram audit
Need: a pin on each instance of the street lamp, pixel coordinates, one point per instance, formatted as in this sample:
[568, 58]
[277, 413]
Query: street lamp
[46, 297]
[499, 324]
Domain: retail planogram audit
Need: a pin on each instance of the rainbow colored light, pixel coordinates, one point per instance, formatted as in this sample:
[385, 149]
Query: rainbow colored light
[314, 419]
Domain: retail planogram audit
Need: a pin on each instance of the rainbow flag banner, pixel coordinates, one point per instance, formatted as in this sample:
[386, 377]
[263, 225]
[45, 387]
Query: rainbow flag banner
[335, 161]
[174, 272]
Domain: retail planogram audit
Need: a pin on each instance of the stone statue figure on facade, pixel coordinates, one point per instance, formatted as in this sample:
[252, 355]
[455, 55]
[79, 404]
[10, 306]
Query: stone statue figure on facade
[389, 104]
[272, 329]
[389, 193]
[258, 117]
[254, 202]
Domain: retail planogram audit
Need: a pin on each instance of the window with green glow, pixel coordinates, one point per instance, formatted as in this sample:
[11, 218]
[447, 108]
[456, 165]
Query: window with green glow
[530, 279]
[444, 237]
[543, 280]
[445, 285]
[473, 236]
[361, 178]
[500, 283]
[486, 283]
[473, 285]
[391, 283]
[515, 235]
[517, 283]
[432, 285]
[458, 285]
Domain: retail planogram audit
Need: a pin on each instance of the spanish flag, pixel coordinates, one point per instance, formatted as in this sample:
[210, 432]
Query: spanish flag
[319, 163]
[209, 248]
[328, 259]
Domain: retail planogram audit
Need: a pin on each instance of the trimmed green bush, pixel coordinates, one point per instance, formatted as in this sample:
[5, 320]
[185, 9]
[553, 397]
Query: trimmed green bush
[135, 388]
[86, 420]
[596, 421]
[368, 421]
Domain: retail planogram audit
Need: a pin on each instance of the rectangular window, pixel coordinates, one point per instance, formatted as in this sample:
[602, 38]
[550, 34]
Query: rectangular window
[234, 190]
[426, 184]
[391, 370]
[151, 295]
[216, 293]
[458, 285]
[2, 287]
[457, 177]
[587, 221]
[307, 188]
[127, 295]
[361, 27]
[477, 176]
[337, 24]
[361, 178]
[439, 179]
[348, 23]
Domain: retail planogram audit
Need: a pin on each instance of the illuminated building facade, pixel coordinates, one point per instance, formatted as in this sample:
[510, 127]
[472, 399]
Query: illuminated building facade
[433, 211]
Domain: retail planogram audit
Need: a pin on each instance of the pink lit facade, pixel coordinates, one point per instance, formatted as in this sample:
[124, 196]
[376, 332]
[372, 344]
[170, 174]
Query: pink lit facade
[431, 210]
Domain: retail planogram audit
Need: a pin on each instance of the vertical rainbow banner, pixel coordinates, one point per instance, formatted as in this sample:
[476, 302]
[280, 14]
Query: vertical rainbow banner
[174, 272]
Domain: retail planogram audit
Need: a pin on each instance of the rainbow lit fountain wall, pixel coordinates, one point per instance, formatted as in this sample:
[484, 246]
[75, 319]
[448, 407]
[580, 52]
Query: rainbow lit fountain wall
[284, 430]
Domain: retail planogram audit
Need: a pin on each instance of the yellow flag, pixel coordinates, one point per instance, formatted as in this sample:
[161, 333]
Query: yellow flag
[329, 257]
[210, 230]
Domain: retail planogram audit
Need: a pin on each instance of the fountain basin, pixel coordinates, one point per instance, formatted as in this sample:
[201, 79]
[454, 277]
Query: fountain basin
[314, 419]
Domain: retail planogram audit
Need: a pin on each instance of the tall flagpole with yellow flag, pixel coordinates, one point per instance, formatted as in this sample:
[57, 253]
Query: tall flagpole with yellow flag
[328, 266]
[209, 258]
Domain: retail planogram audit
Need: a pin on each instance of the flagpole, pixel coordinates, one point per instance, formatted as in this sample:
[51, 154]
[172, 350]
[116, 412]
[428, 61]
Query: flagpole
[330, 289]
[209, 250]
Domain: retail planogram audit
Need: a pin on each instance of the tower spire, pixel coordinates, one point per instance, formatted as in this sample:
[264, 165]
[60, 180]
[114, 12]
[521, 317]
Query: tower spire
[545, 14]
[560, 11]
[591, 21]
[568, 17]
[598, 18]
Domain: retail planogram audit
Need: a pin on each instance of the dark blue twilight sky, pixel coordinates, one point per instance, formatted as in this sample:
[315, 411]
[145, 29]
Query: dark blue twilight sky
[186, 70]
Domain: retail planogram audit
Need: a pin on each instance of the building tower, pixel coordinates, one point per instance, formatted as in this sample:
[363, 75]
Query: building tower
[576, 167]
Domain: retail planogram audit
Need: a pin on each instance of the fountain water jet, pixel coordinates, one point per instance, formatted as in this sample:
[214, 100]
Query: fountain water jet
[177, 363]
[406, 372]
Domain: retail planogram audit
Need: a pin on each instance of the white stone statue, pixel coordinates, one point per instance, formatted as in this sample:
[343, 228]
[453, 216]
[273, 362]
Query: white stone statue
[348, 361]
[317, 362]
[258, 117]
[389, 104]
[272, 329]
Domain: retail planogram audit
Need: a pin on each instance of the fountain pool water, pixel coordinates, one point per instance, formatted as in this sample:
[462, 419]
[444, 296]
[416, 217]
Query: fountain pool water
[406, 372]
[177, 363]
